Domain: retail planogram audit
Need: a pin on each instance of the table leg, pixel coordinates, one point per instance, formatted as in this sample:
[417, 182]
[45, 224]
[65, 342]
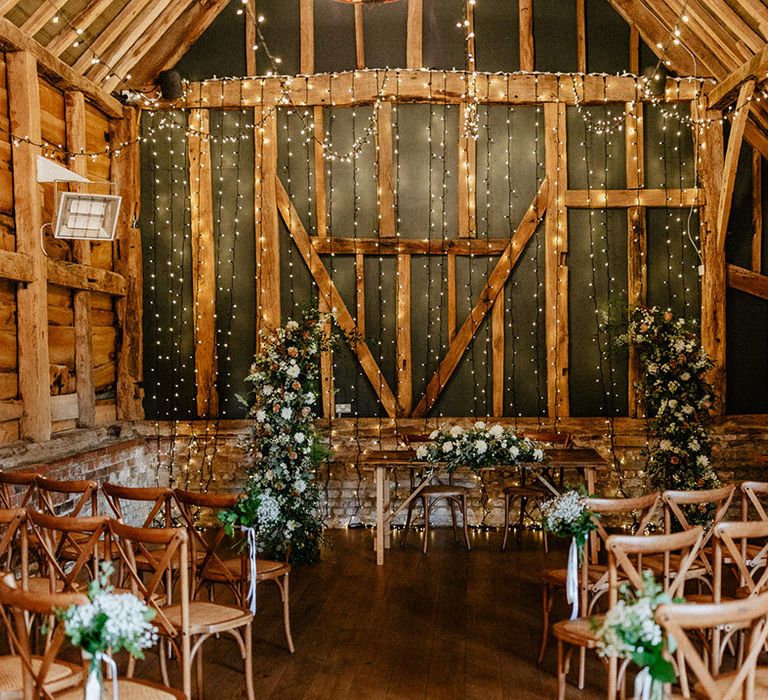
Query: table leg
[386, 524]
[379, 541]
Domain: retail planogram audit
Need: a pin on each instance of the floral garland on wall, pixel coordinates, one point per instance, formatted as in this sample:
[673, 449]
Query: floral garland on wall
[284, 448]
[678, 399]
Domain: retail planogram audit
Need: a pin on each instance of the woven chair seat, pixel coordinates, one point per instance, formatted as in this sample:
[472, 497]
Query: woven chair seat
[656, 564]
[582, 631]
[129, 690]
[209, 618]
[557, 577]
[526, 491]
[725, 679]
[265, 568]
[61, 675]
[41, 585]
[443, 490]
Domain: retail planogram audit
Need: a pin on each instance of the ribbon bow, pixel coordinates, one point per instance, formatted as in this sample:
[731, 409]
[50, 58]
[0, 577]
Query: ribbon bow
[572, 579]
[252, 548]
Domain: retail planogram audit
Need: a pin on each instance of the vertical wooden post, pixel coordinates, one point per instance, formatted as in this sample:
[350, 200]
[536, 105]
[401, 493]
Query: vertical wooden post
[637, 267]
[525, 10]
[326, 369]
[556, 269]
[307, 20]
[31, 299]
[203, 262]
[404, 360]
[385, 171]
[581, 36]
[74, 104]
[124, 169]
[414, 39]
[634, 50]
[250, 37]
[757, 210]
[450, 280]
[471, 58]
[497, 347]
[267, 231]
[360, 292]
[713, 282]
[359, 38]
[321, 196]
[466, 186]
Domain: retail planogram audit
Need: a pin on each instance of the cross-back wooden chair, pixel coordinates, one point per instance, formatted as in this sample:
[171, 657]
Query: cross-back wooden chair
[531, 493]
[53, 492]
[17, 488]
[675, 503]
[13, 542]
[187, 624]
[594, 573]
[47, 676]
[754, 500]
[740, 547]
[684, 623]
[219, 564]
[71, 548]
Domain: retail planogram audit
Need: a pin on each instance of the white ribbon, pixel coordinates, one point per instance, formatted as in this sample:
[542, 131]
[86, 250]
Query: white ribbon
[572, 579]
[643, 685]
[92, 685]
[251, 597]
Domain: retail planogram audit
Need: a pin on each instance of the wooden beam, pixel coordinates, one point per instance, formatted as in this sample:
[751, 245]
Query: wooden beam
[581, 36]
[83, 20]
[469, 11]
[412, 246]
[466, 187]
[620, 199]
[326, 370]
[326, 288]
[359, 37]
[713, 325]
[756, 137]
[450, 280]
[410, 85]
[85, 277]
[556, 267]
[403, 336]
[757, 211]
[637, 245]
[74, 108]
[41, 16]
[726, 90]
[321, 193]
[732, 161]
[525, 12]
[748, 281]
[11, 410]
[31, 299]
[385, 171]
[634, 50]
[360, 293]
[178, 38]
[203, 263]
[268, 312]
[307, 37]
[414, 37]
[493, 286]
[60, 74]
[16, 267]
[124, 171]
[250, 37]
[497, 354]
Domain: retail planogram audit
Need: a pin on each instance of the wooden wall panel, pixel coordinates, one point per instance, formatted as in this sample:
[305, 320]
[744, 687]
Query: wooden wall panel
[6, 181]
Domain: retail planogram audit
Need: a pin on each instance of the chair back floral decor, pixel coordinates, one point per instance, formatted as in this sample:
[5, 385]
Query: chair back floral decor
[569, 516]
[281, 500]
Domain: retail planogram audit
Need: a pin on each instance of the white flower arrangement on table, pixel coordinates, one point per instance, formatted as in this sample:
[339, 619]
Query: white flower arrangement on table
[108, 622]
[478, 447]
[630, 631]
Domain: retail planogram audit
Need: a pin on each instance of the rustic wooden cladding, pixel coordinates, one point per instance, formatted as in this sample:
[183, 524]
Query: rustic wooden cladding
[411, 85]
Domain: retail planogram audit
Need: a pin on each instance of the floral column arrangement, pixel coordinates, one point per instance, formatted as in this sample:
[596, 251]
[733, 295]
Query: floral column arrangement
[281, 501]
[677, 397]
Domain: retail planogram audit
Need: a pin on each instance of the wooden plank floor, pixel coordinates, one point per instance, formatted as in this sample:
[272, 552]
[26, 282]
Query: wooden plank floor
[450, 624]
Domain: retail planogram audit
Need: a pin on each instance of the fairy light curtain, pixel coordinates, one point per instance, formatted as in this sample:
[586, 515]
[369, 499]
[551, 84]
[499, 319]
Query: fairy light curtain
[510, 168]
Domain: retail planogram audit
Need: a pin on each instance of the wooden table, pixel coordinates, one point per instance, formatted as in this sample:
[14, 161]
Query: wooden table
[584, 460]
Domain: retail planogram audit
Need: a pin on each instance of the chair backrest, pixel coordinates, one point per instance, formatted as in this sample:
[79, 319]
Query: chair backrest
[13, 541]
[687, 622]
[159, 500]
[753, 494]
[626, 552]
[732, 543]
[15, 607]
[11, 481]
[128, 543]
[52, 491]
[552, 438]
[69, 545]
[205, 549]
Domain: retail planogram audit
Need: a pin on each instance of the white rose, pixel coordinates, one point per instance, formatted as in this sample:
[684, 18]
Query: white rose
[496, 431]
[286, 413]
[456, 430]
[300, 486]
[261, 415]
[291, 326]
[299, 438]
[434, 434]
[665, 445]
[480, 425]
[703, 460]
[267, 390]
[293, 371]
[538, 454]
[447, 446]
[481, 446]
[514, 451]
[421, 452]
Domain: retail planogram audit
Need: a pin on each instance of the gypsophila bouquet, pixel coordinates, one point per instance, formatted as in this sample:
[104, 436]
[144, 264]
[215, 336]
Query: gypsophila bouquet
[630, 631]
[569, 516]
[284, 448]
[678, 398]
[109, 621]
[478, 447]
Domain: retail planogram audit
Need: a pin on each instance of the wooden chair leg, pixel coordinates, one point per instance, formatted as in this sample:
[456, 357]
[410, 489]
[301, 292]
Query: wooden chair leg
[249, 689]
[508, 498]
[452, 505]
[562, 670]
[200, 680]
[407, 529]
[284, 594]
[162, 653]
[465, 516]
[547, 600]
[582, 667]
[521, 519]
[425, 500]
